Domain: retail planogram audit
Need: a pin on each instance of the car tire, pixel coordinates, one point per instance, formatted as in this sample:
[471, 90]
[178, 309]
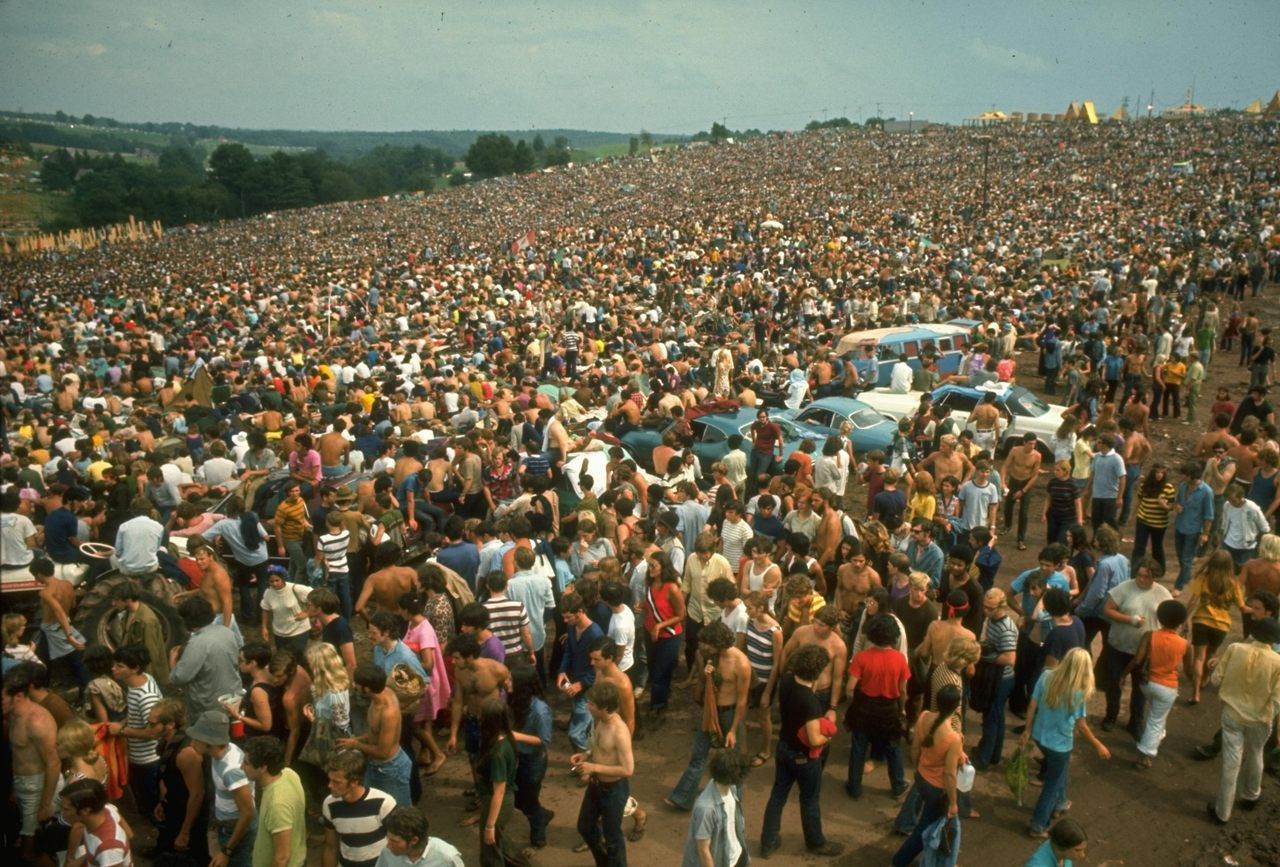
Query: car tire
[100, 623]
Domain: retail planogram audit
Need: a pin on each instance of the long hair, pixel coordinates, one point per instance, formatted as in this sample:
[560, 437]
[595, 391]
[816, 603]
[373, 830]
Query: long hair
[1218, 573]
[1071, 682]
[328, 674]
[1155, 481]
[948, 701]
[495, 724]
[525, 687]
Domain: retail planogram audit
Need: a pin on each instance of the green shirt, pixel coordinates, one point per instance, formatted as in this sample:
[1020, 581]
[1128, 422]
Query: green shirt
[501, 768]
[284, 808]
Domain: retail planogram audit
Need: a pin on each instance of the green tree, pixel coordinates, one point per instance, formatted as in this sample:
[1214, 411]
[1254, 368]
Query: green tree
[491, 155]
[633, 147]
[646, 138]
[538, 144]
[719, 132]
[180, 165]
[230, 165]
[89, 120]
[522, 159]
[58, 170]
[457, 178]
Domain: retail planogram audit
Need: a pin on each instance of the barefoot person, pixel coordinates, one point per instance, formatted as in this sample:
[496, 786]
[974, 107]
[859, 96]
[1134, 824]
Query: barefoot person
[607, 766]
[723, 691]
[389, 766]
[479, 679]
[605, 653]
[32, 739]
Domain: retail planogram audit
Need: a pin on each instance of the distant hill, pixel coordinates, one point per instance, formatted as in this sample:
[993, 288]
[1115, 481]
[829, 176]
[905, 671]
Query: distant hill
[112, 136]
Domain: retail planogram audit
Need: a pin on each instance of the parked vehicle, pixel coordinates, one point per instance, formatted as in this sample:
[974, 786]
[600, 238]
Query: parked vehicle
[712, 427]
[825, 416]
[946, 340]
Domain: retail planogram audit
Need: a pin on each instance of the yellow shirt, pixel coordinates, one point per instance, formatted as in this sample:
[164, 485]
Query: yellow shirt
[1174, 371]
[1211, 611]
[922, 506]
[1248, 681]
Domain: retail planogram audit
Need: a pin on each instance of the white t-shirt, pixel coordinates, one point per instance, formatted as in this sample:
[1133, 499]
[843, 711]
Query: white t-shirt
[284, 605]
[736, 618]
[622, 629]
[730, 820]
[15, 529]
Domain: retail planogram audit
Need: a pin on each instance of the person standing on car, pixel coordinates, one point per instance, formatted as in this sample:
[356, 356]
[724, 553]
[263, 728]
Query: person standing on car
[766, 451]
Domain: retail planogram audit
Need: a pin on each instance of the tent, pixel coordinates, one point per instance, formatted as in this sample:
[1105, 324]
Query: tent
[199, 389]
[1273, 107]
[1254, 107]
[1089, 113]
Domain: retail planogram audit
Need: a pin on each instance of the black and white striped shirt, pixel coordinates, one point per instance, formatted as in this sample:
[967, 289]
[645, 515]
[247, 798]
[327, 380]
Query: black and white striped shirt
[358, 824]
[139, 700]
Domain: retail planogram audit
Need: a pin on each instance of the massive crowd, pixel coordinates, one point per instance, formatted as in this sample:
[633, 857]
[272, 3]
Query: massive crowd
[269, 414]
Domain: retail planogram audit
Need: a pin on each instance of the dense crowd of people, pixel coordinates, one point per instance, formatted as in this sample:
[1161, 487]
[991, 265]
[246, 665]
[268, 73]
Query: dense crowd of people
[276, 416]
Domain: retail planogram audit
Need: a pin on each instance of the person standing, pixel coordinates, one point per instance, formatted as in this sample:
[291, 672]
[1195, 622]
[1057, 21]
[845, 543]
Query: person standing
[1162, 651]
[936, 748]
[1056, 714]
[798, 754]
[142, 626]
[1194, 507]
[766, 451]
[999, 642]
[408, 843]
[607, 766]
[496, 783]
[531, 734]
[389, 766]
[141, 695]
[576, 675]
[1107, 483]
[235, 819]
[1020, 469]
[1248, 681]
[208, 665]
[718, 826]
[36, 768]
[283, 812]
[877, 689]
[1131, 608]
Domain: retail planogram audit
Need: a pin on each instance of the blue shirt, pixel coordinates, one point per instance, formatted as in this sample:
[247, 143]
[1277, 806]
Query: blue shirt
[60, 526]
[538, 724]
[400, 653]
[1054, 727]
[1112, 571]
[1108, 470]
[229, 529]
[1197, 508]
[577, 659]
[535, 592]
[927, 559]
[1044, 857]
[1020, 585]
[463, 558]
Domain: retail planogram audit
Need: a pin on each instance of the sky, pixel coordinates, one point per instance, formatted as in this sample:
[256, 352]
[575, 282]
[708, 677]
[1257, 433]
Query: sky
[663, 65]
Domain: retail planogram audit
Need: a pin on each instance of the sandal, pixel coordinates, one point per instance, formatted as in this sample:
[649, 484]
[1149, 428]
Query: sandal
[1062, 811]
[582, 847]
[759, 759]
[1037, 835]
[1143, 763]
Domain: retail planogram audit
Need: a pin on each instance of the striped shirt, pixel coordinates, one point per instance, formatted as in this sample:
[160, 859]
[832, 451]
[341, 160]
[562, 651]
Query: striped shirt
[228, 776]
[107, 845]
[508, 619]
[139, 700]
[1000, 636]
[1150, 510]
[358, 824]
[733, 538]
[760, 651]
[334, 548]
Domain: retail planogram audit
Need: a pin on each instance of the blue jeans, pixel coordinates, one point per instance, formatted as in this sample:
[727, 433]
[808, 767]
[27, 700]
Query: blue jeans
[934, 802]
[1054, 794]
[890, 749]
[686, 790]
[909, 814]
[580, 723]
[991, 746]
[664, 654]
[793, 767]
[1132, 473]
[758, 464]
[530, 771]
[1240, 556]
[1185, 544]
[392, 777]
[242, 855]
[600, 822]
[340, 583]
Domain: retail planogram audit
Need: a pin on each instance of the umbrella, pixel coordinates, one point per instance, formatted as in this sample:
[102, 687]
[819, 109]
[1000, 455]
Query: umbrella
[771, 224]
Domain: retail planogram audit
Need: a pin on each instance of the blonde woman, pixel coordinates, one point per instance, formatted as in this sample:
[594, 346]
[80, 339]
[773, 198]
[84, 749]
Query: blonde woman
[1213, 591]
[1054, 717]
[77, 748]
[330, 707]
[923, 502]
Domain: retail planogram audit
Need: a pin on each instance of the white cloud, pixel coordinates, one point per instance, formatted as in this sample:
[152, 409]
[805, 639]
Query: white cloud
[65, 48]
[1012, 59]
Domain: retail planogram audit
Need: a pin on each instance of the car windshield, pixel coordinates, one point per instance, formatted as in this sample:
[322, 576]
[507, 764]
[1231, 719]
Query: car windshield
[1026, 403]
[789, 431]
[865, 418]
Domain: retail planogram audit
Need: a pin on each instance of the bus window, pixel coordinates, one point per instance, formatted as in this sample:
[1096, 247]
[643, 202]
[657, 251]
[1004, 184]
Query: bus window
[911, 348]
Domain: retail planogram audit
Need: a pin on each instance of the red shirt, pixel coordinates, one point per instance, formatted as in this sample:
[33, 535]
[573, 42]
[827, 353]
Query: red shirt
[765, 435]
[880, 671]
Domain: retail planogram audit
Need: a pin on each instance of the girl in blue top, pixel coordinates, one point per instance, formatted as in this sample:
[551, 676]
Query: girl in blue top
[1067, 844]
[1056, 713]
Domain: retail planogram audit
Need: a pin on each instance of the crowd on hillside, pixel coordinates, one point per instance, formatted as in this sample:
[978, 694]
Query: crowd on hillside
[268, 420]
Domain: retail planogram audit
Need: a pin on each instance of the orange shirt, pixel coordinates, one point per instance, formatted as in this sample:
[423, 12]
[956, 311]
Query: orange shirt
[1167, 651]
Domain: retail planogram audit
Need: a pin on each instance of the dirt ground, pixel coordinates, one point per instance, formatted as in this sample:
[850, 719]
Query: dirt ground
[1132, 817]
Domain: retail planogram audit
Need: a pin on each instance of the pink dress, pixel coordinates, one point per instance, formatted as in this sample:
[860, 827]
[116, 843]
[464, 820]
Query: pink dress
[436, 698]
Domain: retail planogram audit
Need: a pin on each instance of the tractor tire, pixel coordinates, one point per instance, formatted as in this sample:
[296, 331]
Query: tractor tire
[101, 623]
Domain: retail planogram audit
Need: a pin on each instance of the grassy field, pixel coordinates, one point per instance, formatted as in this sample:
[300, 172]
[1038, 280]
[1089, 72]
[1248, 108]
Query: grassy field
[24, 211]
[616, 149]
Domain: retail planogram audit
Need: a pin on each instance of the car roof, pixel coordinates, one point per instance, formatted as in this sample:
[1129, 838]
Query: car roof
[839, 404]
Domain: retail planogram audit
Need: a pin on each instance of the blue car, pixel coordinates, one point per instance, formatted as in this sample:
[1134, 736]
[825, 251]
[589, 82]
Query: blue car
[711, 434]
[825, 416]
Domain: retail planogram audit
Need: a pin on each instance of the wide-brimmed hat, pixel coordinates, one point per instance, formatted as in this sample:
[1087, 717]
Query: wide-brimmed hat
[212, 728]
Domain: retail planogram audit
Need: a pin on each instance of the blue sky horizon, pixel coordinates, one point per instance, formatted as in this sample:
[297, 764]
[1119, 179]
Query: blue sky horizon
[660, 65]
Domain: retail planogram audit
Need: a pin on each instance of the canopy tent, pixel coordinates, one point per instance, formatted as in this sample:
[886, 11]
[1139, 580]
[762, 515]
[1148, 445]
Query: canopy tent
[1254, 107]
[1187, 109]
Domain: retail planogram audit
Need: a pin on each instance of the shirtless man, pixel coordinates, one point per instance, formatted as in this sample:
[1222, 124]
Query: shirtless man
[215, 587]
[288, 675]
[1137, 448]
[478, 679]
[386, 586]
[604, 655]
[36, 766]
[947, 461]
[854, 582]
[1137, 412]
[408, 465]
[933, 648]
[389, 766]
[335, 450]
[607, 766]
[1219, 432]
[57, 601]
[826, 506]
[725, 663]
[1020, 469]
[987, 423]
[822, 633]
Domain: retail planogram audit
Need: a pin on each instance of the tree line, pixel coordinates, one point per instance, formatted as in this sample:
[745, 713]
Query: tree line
[180, 188]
